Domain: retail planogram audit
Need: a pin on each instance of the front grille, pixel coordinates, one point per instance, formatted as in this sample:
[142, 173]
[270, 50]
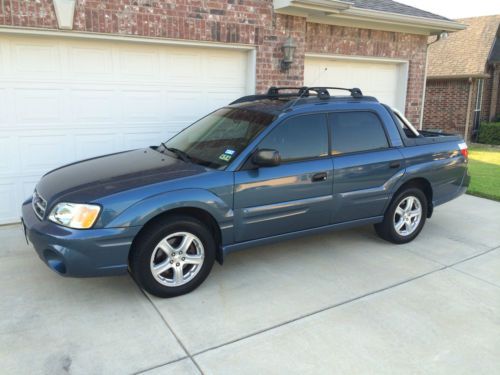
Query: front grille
[39, 205]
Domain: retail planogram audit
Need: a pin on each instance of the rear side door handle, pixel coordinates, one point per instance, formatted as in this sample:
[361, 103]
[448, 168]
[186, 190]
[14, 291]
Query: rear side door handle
[395, 164]
[318, 177]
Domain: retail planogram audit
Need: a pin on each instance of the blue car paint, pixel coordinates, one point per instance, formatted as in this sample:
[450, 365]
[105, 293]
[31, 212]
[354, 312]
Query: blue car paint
[251, 207]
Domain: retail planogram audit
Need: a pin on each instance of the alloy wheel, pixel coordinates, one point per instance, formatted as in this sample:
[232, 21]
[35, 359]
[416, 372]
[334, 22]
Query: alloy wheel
[407, 216]
[177, 259]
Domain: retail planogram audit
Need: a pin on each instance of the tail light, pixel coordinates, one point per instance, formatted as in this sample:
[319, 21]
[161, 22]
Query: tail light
[463, 149]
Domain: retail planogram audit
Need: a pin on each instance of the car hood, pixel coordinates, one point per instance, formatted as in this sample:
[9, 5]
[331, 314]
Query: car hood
[91, 179]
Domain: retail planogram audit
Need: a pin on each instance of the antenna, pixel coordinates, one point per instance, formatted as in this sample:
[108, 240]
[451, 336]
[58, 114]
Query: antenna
[302, 92]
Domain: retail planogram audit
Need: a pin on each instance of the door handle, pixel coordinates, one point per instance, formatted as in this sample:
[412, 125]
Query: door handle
[318, 177]
[395, 164]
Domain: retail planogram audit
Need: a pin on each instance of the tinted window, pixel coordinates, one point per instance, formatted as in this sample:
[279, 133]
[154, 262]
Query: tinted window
[356, 131]
[302, 137]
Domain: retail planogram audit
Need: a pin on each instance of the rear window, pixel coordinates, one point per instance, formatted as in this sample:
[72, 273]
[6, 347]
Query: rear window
[356, 132]
[402, 125]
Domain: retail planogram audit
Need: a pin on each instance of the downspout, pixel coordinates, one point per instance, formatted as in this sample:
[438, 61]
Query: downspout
[441, 36]
[469, 106]
[425, 86]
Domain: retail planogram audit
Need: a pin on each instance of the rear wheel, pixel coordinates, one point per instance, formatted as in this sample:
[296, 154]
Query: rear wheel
[405, 217]
[174, 257]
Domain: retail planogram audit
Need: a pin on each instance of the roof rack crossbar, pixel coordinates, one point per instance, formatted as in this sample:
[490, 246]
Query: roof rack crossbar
[300, 92]
[355, 92]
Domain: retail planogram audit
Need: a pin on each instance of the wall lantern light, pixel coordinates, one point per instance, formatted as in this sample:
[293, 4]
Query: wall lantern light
[288, 51]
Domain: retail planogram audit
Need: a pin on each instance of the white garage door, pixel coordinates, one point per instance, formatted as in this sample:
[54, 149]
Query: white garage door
[386, 81]
[63, 100]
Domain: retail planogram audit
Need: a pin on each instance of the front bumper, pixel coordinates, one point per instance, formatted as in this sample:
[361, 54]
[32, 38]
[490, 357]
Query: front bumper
[77, 252]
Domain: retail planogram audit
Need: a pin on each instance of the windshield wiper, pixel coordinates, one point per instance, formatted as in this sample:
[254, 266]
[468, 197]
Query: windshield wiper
[181, 154]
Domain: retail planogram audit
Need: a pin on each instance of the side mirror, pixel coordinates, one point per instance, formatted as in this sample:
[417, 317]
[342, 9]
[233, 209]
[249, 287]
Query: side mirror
[266, 158]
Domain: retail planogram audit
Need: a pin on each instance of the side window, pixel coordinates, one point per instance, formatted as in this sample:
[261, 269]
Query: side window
[299, 138]
[356, 131]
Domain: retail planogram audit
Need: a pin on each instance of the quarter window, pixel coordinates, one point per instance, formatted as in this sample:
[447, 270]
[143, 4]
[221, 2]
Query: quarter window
[299, 138]
[356, 131]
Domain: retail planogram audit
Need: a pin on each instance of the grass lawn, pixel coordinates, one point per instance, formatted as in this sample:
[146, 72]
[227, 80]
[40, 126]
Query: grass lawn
[484, 168]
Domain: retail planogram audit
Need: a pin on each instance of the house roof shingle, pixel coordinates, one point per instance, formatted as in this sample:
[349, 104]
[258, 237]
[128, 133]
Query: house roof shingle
[395, 7]
[464, 53]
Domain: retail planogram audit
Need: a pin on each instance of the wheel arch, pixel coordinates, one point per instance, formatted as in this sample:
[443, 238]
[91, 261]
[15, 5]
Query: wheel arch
[195, 212]
[422, 184]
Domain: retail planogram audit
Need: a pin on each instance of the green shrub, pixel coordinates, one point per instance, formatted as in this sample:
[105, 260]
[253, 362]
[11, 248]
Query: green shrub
[489, 133]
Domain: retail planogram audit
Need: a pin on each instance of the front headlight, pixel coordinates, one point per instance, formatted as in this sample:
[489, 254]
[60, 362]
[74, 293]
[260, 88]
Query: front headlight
[75, 215]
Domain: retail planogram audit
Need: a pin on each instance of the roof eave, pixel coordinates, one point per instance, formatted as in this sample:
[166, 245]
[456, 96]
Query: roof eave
[327, 11]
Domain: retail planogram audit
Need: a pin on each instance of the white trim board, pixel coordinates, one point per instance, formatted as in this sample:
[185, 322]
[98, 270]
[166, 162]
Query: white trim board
[120, 38]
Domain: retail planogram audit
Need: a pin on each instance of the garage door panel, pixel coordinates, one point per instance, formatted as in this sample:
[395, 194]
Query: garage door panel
[38, 105]
[188, 68]
[184, 105]
[8, 200]
[90, 63]
[92, 145]
[379, 79]
[63, 100]
[7, 157]
[142, 105]
[3, 107]
[45, 54]
[133, 140]
[220, 71]
[92, 106]
[43, 152]
[139, 64]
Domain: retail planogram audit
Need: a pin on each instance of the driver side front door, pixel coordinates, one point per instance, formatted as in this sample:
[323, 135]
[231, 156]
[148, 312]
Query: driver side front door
[293, 196]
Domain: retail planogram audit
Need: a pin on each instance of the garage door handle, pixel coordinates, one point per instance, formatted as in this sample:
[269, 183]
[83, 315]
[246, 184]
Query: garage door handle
[319, 177]
[395, 164]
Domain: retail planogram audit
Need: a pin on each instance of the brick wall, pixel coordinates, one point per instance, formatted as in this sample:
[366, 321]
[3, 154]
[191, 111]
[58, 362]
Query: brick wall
[446, 105]
[28, 13]
[234, 21]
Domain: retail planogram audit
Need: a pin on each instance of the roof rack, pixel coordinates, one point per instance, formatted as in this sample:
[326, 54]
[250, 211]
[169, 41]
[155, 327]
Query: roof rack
[297, 92]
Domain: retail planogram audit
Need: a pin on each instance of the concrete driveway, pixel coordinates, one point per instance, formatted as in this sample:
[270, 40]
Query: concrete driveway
[345, 302]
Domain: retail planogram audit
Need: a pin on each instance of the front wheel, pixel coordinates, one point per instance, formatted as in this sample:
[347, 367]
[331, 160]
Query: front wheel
[174, 257]
[405, 217]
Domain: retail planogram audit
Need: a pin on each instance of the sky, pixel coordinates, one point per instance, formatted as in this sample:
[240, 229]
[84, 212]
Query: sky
[457, 8]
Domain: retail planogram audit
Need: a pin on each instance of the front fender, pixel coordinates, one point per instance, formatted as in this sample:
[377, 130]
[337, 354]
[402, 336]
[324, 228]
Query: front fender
[143, 211]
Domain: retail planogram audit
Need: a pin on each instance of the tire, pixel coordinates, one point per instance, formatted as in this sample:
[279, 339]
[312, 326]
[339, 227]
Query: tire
[409, 229]
[172, 257]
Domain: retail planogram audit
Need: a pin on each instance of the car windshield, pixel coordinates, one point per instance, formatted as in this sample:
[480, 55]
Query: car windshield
[216, 140]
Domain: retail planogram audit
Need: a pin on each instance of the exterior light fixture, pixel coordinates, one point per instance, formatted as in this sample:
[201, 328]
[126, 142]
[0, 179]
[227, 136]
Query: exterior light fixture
[288, 51]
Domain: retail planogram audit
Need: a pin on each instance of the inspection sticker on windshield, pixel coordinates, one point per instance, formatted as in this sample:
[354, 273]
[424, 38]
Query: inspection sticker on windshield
[225, 157]
[229, 152]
